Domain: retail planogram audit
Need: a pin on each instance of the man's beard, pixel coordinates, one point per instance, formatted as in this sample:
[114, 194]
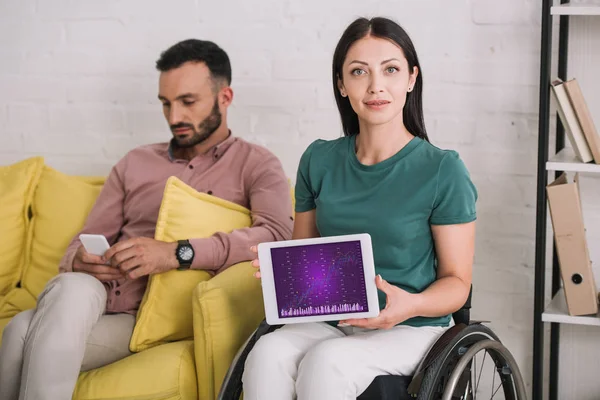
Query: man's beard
[205, 129]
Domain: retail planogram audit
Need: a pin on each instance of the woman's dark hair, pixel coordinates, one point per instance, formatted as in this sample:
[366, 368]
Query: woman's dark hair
[385, 29]
[196, 50]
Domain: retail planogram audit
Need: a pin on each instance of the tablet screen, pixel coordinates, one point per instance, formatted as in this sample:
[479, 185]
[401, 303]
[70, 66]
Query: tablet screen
[319, 279]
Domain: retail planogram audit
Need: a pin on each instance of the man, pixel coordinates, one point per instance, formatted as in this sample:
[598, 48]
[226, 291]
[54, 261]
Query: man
[85, 315]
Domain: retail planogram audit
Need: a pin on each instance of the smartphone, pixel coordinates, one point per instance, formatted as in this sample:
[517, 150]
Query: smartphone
[94, 244]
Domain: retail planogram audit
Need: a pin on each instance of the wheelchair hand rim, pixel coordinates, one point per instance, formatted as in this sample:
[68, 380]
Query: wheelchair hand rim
[468, 356]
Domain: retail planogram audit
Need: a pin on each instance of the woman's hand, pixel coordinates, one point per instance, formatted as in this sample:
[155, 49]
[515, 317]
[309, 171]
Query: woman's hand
[400, 306]
[255, 262]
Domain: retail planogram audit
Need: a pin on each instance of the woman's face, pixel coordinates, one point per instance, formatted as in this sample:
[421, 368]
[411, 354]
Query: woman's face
[376, 79]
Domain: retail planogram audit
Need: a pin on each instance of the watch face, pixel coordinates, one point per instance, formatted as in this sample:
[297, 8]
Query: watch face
[186, 253]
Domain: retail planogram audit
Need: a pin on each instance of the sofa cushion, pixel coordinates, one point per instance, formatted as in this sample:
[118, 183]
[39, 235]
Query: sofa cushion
[15, 301]
[60, 207]
[164, 372]
[3, 323]
[17, 185]
[165, 314]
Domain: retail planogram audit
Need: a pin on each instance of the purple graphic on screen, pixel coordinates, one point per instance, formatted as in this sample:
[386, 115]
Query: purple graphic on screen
[319, 279]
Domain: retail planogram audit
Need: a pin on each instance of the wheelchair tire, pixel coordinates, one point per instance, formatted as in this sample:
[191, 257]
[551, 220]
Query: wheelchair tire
[438, 374]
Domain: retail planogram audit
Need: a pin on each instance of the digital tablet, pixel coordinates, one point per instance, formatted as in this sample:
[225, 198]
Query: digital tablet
[320, 279]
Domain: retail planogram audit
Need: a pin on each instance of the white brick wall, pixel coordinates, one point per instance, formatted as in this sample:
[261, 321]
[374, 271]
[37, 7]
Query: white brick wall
[508, 12]
[78, 85]
[3, 116]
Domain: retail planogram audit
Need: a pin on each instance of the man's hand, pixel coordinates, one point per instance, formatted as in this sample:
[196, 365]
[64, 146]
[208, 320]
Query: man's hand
[95, 266]
[400, 306]
[142, 256]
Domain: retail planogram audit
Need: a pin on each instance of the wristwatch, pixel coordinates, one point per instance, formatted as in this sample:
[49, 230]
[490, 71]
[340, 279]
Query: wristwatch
[184, 254]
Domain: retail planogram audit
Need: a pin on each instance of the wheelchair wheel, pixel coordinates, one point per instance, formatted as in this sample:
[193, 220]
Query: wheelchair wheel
[474, 365]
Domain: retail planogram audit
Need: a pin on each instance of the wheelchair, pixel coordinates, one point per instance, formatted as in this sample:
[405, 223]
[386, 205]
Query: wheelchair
[449, 371]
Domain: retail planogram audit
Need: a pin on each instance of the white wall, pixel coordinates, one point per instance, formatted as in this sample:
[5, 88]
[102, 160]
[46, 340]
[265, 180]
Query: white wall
[78, 85]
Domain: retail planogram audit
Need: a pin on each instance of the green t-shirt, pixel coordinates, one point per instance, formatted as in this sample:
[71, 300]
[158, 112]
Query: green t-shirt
[396, 201]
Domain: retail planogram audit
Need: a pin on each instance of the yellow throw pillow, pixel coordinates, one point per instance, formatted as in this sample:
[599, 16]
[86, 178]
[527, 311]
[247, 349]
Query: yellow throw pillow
[17, 184]
[60, 207]
[165, 314]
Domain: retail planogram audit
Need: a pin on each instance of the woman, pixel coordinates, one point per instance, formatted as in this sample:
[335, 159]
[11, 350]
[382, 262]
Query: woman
[415, 200]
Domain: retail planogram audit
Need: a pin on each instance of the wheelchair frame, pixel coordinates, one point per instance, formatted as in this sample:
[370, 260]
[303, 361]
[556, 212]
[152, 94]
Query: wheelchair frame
[444, 373]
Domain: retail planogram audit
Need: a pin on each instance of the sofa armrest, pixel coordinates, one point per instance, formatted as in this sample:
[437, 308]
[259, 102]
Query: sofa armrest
[227, 309]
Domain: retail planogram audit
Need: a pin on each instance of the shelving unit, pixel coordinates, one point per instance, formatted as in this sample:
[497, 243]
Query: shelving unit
[565, 160]
[575, 9]
[555, 312]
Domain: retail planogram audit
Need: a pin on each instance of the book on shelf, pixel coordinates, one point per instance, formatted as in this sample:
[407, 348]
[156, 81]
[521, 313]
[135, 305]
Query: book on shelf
[584, 117]
[567, 115]
[572, 250]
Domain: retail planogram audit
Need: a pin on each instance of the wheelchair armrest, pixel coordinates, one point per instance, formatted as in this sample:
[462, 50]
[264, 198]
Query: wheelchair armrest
[463, 315]
[468, 302]
[231, 388]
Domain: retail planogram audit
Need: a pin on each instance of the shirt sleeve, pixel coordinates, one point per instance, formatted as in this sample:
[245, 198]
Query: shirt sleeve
[105, 218]
[271, 210]
[456, 195]
[305, 196]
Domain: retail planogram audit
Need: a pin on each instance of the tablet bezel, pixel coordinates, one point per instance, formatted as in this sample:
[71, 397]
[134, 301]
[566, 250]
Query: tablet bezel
[268, 282]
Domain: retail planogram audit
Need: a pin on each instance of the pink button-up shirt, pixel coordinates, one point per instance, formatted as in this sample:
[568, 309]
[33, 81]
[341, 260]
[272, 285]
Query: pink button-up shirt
[234, 170]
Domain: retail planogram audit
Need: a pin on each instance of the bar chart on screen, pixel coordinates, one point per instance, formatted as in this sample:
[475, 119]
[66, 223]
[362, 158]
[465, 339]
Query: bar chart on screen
[335, 309]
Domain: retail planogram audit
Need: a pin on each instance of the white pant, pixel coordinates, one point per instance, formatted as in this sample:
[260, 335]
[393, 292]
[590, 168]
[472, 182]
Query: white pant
[44, 349]
[319, 362]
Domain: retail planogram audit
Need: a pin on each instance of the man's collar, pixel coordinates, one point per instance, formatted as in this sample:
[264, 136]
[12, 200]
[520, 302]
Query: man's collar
[216, 151]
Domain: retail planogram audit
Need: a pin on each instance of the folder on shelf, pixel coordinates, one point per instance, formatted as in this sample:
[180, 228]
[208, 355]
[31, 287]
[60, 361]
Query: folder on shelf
[571, 246]
[570, 122]
[584, 117]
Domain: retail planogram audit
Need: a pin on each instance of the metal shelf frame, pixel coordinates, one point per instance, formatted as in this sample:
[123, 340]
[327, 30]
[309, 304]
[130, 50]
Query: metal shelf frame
[541, 205]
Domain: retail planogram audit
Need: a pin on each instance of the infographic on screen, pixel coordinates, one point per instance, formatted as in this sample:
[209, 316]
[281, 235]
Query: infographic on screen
[319, 279]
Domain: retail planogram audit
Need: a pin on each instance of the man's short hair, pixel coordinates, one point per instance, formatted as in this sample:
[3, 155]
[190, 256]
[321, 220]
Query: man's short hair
[196, 50]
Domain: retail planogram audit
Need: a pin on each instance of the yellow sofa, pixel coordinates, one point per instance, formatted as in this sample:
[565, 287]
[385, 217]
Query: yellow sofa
[40, 211]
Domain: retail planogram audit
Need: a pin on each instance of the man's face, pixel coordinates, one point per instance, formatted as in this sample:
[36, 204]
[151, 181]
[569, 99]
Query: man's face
[190, 103]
